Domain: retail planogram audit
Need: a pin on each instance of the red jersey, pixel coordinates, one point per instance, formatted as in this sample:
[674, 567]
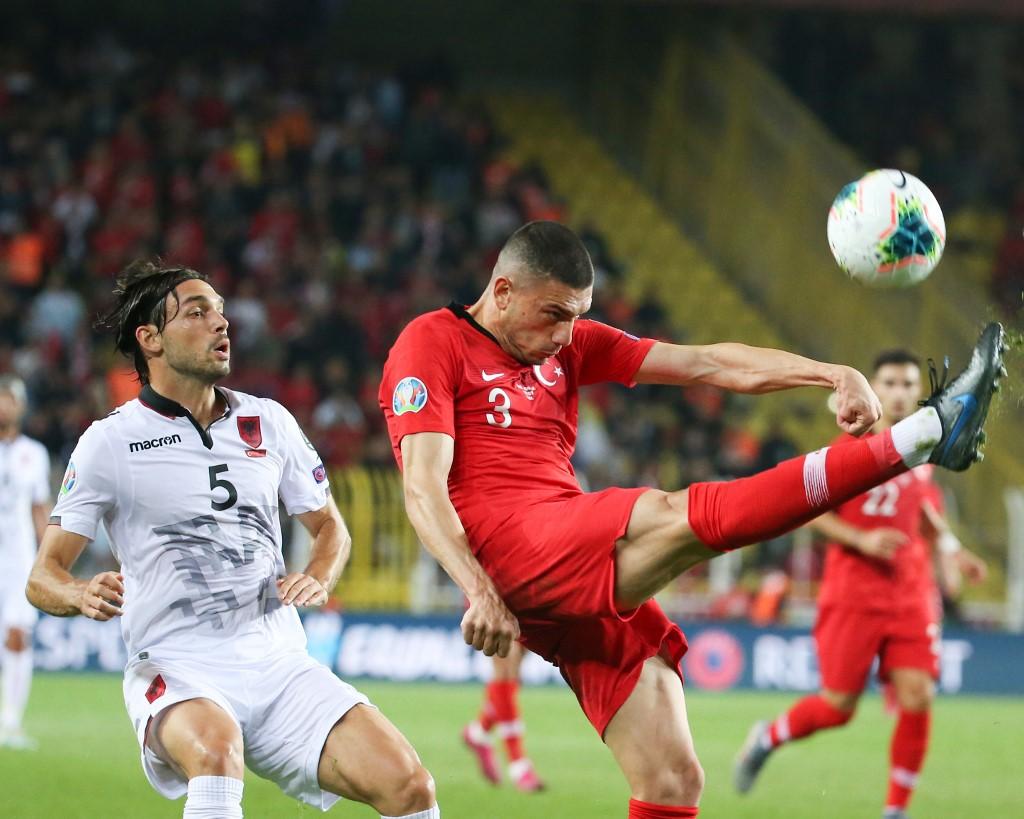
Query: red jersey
[514, 424]
[854, 580]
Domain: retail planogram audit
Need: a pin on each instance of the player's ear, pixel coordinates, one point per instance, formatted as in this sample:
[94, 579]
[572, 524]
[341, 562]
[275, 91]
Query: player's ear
[149, 339]
[502, 291]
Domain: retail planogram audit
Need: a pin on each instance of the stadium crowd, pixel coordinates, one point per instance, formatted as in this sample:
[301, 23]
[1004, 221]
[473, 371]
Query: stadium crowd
[327, 202]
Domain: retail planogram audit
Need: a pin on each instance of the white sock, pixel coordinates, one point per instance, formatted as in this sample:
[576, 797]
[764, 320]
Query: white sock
[917, 435]
[17, 680]
[477, 733]
[429, 813]
[519, 767]
[213, 797]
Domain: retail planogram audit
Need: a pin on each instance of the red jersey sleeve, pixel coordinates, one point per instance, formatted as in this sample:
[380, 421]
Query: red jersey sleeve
[417, 390]
[608, 354]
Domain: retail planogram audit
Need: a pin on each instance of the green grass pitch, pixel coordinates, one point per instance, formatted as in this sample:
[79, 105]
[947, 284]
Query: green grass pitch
[87, 763]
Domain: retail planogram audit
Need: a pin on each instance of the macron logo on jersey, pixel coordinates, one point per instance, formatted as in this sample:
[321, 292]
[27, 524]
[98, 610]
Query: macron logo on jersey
[153, 443]
[410, 396]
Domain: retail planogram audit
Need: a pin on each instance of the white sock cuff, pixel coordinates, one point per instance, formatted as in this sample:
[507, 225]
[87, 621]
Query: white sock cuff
[429, 813]
[507, 730]
[519, 767]
[781, 729]
[476, 733]
[219, 788]
[904, 777]
[917, 435]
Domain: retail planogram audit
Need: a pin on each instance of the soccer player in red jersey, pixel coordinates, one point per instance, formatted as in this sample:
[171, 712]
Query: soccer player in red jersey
[878, 599]
[500, 714]
[481, 405]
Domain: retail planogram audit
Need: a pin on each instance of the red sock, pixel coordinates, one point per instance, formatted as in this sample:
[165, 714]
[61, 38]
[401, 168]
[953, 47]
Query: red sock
[648, 810]
[811, 714]
[728, 514]
[906, 754]
[488, 716]
[502, 696]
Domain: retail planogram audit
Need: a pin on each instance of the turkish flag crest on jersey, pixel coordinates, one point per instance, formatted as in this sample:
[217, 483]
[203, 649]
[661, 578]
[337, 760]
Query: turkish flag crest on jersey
[249, 430]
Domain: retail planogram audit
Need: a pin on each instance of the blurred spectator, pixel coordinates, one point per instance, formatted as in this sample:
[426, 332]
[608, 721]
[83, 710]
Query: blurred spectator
[329, 206]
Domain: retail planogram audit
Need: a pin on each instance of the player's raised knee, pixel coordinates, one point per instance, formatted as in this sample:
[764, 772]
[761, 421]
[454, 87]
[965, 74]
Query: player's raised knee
[677, 782]
[214, 753]
[413, 791]
[663, 514]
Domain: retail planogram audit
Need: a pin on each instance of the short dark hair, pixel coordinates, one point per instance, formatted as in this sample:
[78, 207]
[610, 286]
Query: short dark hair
[895, 356]
[550, 250]
[141, 290]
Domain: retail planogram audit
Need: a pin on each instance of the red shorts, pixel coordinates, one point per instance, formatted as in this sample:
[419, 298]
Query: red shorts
[554, 566]
[849, 640]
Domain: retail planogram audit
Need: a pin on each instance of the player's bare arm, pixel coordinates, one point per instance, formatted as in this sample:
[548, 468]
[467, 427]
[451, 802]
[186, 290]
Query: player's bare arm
[880, 543]
[329, 553]
[53, 589]
[741, 368]
[955, 560]
[488, 625]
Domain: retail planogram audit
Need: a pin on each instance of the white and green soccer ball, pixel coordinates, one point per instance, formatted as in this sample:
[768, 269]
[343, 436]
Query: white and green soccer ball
[886, 229]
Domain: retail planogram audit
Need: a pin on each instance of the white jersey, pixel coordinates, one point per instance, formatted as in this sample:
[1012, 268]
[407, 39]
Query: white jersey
[192, 517]
[24, 482]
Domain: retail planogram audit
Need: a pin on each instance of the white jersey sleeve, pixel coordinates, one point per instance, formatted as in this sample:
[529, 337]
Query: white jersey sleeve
[304, 485]
[88, 491]
[41, 482]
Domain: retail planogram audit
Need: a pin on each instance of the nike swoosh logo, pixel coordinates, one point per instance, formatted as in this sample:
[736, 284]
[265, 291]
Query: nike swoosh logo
[486, 376]
[969, 404]
[903, 181]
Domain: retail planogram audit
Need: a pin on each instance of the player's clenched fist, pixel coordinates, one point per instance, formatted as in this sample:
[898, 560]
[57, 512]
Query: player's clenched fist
[489, 626]
[857, 406]
[103, 596]
[301, 590]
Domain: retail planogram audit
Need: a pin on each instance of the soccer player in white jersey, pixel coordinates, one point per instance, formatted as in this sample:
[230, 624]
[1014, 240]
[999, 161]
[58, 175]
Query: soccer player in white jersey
[24, 508]
[187, 479]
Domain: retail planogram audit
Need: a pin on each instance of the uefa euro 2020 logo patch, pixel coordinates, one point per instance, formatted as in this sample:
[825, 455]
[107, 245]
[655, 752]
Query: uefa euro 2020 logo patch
[70, 479]
[410, 396]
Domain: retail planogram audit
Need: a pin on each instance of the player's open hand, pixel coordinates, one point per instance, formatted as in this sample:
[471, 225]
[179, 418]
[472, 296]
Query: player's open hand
[301, 590]
[881, 544]
[857, 406]
[103, 596]
[489, 626]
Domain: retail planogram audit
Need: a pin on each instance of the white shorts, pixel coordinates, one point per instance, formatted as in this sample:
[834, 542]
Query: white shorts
[15, 610]
[285, 706]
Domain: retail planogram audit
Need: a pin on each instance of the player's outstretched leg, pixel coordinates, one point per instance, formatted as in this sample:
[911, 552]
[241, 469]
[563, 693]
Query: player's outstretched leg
[814, 713]
[651, 741]
[670, 532]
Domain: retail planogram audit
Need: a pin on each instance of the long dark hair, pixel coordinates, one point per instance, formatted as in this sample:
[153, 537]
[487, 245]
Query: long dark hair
[141, 290]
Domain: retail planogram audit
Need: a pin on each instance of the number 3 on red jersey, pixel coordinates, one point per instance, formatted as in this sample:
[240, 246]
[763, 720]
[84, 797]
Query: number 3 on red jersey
[500, 417]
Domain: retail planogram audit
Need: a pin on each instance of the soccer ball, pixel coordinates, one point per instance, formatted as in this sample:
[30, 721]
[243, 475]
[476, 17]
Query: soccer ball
[886, 229]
